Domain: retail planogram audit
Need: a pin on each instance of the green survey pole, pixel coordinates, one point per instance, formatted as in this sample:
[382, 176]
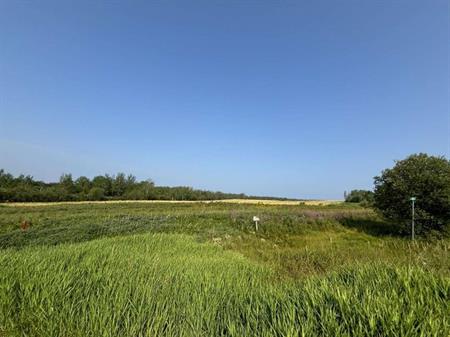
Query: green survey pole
[413, 199]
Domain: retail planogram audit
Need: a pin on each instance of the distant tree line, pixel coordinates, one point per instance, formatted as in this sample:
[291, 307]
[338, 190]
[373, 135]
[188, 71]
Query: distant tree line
[103, 187]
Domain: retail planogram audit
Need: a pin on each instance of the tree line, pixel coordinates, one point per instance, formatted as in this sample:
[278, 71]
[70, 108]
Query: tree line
[24, 188]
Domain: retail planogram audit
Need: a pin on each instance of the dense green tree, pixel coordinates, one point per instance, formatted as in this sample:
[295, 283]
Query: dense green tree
[83, 185]
[67, 183]
[96, 193]
[141, 191]
[25, 180]
[103, 182]
[422, 176]
[130, 181]
[6, 179]
[119, 184]
[363, 197]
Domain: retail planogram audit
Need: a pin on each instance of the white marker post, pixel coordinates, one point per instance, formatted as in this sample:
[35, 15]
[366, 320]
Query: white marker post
[413, 199]
[256, 220]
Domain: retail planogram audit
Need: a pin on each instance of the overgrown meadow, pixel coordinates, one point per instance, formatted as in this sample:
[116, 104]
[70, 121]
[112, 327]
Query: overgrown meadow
[201, 269]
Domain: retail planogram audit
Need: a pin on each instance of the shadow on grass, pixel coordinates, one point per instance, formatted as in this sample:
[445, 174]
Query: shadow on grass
[51, 236]
[372, 227]
[87, 230]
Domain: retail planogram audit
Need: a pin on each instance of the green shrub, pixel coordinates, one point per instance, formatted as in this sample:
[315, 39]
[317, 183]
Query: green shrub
[96, 193]
[360, 196]
[422, 176]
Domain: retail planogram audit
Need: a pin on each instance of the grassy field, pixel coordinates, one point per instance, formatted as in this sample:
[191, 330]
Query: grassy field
[200, 269]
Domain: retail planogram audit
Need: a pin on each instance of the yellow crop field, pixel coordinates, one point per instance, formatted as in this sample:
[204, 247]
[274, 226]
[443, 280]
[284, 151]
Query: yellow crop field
[238, 201]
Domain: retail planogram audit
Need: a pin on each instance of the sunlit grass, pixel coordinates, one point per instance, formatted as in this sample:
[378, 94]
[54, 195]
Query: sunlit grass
[169, 285]
[201, 269]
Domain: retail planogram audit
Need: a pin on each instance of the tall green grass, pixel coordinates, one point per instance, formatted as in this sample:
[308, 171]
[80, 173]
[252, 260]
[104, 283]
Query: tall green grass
[202, 270]
[171, 285]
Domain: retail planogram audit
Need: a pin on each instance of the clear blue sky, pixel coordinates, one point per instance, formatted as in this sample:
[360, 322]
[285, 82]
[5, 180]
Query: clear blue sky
[286, 98]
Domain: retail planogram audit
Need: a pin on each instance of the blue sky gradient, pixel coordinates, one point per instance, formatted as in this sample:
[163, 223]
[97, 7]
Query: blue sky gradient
[298, 99]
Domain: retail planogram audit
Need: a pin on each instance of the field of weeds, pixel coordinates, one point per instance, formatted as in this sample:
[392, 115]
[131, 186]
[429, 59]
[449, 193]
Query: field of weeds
[201, 269]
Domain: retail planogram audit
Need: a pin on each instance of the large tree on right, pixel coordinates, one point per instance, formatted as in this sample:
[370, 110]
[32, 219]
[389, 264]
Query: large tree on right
[422, 176]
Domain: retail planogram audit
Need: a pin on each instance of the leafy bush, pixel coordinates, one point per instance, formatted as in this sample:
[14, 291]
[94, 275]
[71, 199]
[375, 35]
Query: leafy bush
[360, 196]
[96, 193]
[422, 176]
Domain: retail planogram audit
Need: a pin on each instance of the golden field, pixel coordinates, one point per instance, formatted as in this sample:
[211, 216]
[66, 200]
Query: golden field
[238, 201]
